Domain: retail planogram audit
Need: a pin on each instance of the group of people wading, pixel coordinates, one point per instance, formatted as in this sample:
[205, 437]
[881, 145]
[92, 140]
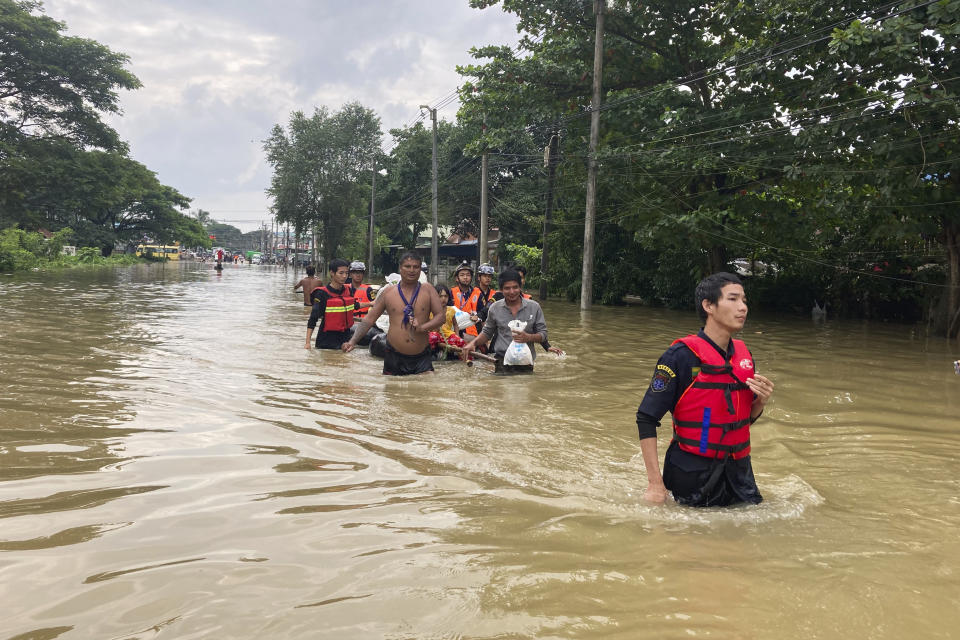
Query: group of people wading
[707, 381]
[416, 310]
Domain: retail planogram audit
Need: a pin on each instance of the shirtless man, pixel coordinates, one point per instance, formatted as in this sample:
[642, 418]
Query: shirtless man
[409, 304]
[309, 284]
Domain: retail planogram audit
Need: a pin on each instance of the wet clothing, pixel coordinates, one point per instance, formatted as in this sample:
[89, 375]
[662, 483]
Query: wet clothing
[526, 296]
[449, 326]
[401, 364]
[499, 314]
[693, 479]
[319, 297]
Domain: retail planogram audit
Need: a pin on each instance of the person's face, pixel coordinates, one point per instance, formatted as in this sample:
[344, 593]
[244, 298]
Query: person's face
[339, 277]
[410, 270]
[511, 290]
[485, 280]
[356, 276]
[730, 312]
[464, 277]
[443, 298]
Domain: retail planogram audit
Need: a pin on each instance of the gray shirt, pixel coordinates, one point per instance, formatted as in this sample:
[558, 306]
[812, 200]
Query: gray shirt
[500, 335]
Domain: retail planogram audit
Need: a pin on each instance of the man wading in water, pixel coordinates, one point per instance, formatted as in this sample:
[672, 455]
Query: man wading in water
[409, 304]
[708, 383]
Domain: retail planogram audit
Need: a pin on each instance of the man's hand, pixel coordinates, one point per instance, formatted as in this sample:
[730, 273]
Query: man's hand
[557, 350]
[306, 345]
[347, 346]
[761, 386]
[524, 337]
[656, 493]
[467, 349]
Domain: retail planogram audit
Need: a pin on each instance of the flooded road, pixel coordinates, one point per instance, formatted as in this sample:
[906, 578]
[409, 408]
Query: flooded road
[173, 464]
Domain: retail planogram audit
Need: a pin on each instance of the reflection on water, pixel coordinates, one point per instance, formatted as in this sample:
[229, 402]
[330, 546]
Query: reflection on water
[174, 464]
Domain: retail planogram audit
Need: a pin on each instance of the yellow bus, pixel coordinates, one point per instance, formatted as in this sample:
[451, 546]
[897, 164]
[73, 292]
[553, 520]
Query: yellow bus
[157, 251]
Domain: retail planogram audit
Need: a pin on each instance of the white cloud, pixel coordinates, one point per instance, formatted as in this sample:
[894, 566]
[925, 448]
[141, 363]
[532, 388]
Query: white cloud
[219, 74]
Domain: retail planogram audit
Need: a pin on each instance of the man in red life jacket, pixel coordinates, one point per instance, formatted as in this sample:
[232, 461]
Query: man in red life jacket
[709, 384]
[333, 307]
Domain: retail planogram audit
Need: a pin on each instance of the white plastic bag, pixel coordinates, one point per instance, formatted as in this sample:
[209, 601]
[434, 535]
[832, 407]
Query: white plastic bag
[383, 322]
[518, 353]
[462, 318]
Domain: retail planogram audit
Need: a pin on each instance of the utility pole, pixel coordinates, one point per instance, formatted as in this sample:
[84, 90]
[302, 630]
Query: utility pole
[434, 247]
[373, 209]
[586, 284]
[484, 246]
[550, 160]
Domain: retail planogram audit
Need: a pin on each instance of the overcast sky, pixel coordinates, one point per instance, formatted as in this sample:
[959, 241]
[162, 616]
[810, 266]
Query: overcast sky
[218, 74]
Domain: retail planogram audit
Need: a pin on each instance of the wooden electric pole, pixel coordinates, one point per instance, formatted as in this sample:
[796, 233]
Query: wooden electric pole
[373, 209]
[550, 160]
[434, 245]
[586, 285]
[484, 252]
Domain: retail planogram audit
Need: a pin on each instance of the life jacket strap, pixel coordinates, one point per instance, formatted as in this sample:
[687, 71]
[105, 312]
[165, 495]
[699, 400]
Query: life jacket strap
[726, 448]
[726, 426]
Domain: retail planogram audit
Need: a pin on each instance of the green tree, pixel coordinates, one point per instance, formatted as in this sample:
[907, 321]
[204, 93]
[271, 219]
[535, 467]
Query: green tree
[322, 169]
[55, 86]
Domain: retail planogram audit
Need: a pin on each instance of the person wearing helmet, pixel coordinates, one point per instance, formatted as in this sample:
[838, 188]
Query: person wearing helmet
[361, 292]
[483, 295]
[464, 285]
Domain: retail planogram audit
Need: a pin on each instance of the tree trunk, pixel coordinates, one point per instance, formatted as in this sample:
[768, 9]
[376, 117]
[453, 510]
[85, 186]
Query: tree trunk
[717, 255]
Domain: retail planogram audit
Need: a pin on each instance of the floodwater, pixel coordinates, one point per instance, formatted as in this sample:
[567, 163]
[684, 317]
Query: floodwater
[174, 464]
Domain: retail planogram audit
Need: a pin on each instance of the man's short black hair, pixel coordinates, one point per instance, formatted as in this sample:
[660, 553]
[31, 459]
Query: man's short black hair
[311, 270]
[522, 270]
[709, 289]
[510, 275]
[336, 263]
[410, 255]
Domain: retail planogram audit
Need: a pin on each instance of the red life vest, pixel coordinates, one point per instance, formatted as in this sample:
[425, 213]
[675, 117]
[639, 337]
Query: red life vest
[338, 316]
[712, 417]
[361, 294]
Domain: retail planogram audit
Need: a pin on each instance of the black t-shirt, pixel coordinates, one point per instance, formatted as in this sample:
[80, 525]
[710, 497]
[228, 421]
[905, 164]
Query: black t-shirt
[675, 371]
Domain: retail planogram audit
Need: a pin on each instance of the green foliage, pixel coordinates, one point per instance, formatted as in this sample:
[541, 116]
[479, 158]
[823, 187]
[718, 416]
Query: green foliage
[321, 170]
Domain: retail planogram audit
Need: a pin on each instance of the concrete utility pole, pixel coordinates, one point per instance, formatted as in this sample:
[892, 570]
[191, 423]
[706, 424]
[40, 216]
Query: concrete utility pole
[586, 284]
[550, 159]
[484, 246]
[434, 247]
[373, 209]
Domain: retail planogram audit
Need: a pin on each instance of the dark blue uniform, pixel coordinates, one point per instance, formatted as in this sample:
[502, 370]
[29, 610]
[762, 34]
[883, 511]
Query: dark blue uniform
[694, 480]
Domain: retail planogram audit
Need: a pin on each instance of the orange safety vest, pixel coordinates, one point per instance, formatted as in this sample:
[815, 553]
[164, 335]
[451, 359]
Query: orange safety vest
[338, 316]
[361, 294]
[473, 301]
[712, 417]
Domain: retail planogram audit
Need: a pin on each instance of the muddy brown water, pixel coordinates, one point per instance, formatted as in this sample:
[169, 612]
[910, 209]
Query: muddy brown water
[173, 464]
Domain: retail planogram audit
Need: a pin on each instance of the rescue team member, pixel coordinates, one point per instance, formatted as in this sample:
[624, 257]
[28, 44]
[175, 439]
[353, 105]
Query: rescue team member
[464, 286]
[410, 304]
[478, 298]
[360, 291]
[309, 284]
[333, 307]
[709, 384]
[513, 307]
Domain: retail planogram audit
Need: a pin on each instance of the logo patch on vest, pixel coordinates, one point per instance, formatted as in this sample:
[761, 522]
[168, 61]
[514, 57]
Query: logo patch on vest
[662, 378]
[746, 363]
